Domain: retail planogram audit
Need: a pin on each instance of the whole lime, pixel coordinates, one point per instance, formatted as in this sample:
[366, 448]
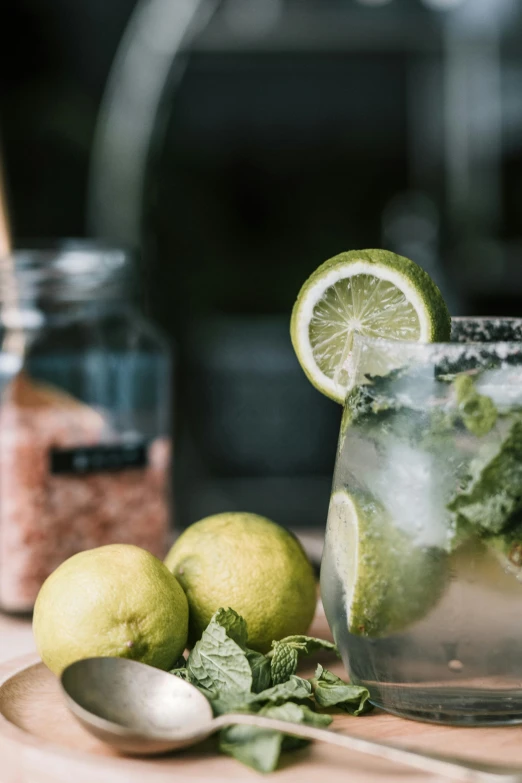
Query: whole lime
[250, 564]
[117, 601]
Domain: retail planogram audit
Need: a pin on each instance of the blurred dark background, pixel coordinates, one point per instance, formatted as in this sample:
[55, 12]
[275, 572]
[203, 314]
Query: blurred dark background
[238, 145]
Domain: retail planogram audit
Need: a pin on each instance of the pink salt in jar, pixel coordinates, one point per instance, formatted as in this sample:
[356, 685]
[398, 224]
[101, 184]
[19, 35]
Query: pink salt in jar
[85, 444]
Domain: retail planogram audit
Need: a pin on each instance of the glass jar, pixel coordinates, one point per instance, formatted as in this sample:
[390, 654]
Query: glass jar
[84, 415]
[421, 576]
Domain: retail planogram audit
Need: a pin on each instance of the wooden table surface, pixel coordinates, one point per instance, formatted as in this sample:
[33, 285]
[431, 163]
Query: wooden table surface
[38, 710]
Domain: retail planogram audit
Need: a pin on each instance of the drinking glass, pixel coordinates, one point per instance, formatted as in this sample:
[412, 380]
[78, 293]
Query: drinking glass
[421, 576]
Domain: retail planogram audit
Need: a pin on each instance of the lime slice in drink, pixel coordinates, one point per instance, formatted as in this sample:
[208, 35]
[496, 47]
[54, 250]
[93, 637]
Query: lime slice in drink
[374, 292]
[389, 581]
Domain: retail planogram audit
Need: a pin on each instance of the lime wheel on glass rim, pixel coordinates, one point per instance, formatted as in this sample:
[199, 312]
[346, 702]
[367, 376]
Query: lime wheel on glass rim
[372, 292]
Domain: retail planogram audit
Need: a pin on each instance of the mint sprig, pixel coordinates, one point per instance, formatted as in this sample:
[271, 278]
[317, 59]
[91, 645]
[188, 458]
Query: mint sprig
[285, 654]
[236, 679]
[284, 662]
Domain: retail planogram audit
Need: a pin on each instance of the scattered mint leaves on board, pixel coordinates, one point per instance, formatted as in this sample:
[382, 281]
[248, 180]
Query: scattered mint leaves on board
[236, 679]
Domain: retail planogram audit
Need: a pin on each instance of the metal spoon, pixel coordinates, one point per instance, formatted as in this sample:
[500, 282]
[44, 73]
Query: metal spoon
[140, 710]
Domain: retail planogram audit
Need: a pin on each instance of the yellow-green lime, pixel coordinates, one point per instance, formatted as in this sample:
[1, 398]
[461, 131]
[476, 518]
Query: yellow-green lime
[116, 601]
[389, 582]
[250, 564]
[372, 292]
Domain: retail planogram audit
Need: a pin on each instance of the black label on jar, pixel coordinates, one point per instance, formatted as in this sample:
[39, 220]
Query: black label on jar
[99, 459]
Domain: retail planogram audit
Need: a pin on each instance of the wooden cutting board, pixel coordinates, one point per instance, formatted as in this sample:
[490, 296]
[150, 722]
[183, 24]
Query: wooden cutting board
[41, 743]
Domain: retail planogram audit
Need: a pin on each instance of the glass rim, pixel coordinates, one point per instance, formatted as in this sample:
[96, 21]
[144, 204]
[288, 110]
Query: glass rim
[479, 321]
[378, 357]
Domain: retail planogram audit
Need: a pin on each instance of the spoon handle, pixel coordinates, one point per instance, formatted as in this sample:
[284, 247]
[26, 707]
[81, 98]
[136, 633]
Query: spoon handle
[452, 768]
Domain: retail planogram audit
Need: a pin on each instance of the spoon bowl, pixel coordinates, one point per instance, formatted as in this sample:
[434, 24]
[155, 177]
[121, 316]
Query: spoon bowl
[134, 707]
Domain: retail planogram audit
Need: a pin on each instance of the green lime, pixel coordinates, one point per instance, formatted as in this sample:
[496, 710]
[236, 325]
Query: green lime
[374, 292]
[389, 581]
[117, 601]
[247, 563]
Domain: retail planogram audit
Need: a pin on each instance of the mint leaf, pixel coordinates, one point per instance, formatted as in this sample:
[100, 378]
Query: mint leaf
[293, 688]
[305, 715]
[296, 713]
[306, 644]
[314, 718]
[257, 748]
[284, 662]
[261, 748]
[260, 667]
[478, 412]
[234, 625]
[331, 691]
[232, 702]
[181, 672]
[217, 662]
[285, 652]
[492, 493]
[180, 668]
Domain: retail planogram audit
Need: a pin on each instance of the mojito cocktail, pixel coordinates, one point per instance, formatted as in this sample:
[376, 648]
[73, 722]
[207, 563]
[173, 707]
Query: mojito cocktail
[421, 577]
[422, 571]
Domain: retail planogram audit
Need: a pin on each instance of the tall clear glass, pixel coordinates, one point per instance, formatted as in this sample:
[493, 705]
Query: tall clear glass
[421, 576]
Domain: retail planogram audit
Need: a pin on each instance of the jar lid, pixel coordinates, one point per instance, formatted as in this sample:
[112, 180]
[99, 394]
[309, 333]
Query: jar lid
[70, 271]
